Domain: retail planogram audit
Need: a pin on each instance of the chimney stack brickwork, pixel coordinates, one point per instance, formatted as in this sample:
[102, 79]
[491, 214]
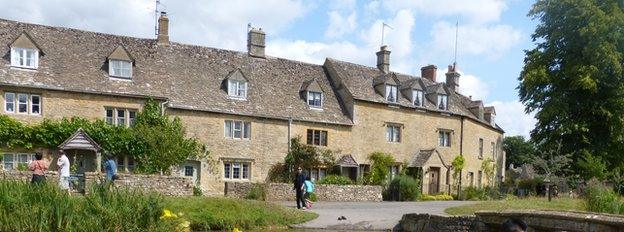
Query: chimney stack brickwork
[163, 29]
[383, 59]
[452, 77]
[256, 43]
[429, 72]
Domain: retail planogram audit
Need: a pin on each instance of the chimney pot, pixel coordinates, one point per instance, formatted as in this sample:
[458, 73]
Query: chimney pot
[256, 43]
[383, 59]
[429, 72]
[163, 29]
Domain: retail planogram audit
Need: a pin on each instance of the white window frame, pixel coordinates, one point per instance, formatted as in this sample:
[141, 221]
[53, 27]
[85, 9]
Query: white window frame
[114, 121]
[393, 133]
[4, 161]
[16, 161]
[31, 104]
[19, 58]
[243, 167]
[322, 135]
[417, 95]
[444, 138]
[442, 102]
[229, 128]
[237, 89]
[6, 103]
[19, 103]
[312, 99]
[392, 89]
[121, 66]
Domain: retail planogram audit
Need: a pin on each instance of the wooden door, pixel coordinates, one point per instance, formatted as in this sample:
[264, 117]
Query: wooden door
[434, 180]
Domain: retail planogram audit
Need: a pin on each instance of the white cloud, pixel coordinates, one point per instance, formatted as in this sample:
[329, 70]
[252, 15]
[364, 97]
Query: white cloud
[316, 52]
[512, 118]
[492, 41]
[476, 11]
[470, 85]
[340, 25]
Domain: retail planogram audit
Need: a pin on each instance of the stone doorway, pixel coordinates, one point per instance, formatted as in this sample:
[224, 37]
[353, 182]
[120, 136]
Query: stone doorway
[434, 180]
[191, 168]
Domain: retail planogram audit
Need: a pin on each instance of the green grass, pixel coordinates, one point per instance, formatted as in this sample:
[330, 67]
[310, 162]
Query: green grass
[216, 213]
[560, 204]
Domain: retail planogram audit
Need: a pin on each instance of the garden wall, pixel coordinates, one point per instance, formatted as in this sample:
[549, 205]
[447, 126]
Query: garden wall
[166, 185]
[284, 192]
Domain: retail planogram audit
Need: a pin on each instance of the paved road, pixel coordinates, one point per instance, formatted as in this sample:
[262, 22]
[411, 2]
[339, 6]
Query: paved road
[369, 215]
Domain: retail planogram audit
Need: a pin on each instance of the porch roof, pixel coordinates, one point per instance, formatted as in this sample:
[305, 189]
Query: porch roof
[347, 161]
[80, 140]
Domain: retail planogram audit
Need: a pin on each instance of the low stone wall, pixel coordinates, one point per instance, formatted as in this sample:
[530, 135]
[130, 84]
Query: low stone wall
[284, 192]
[536, 220]
[166, 185]
[437, 223]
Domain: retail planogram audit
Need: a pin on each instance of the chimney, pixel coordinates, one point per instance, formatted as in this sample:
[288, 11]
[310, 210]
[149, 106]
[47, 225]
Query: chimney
[429, 72]
[383, 59]
[452, 77]
[255, 43]
[163, 29]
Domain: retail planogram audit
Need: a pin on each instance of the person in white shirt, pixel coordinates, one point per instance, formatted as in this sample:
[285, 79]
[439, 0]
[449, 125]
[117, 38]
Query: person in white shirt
[63, 169]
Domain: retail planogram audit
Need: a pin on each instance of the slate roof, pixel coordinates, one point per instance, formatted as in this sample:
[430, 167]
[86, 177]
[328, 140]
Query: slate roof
[190, 77]
[420, 158]
[359, 81]
[347, 161]
[80, 140]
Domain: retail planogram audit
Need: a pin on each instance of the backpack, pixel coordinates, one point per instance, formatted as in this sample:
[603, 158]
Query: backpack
[309, 186]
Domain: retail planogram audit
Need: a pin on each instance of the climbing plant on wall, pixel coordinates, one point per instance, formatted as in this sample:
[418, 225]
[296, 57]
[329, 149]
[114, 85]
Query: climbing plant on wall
[156, 142]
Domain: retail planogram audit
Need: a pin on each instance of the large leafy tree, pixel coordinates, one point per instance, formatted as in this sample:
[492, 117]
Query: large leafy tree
[519, 151]
[574, 80]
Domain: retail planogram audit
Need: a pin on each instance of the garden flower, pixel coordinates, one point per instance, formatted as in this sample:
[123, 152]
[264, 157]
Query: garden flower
[168, 214]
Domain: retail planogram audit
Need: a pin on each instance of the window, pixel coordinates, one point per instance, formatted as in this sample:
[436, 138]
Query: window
[9, 102]
[480, 148]
[317, 137]
[391, 93]
[120, 117]
[393, 133]
[443, 102]
[24, 58]
[237, 89]
[130, 163]
[394, 170]
[188, 170]
[237, 170]
[445, 138]
[418, 97]
[237, 129]
[120, 68]
[315, 99]
[22, 103]
[35, 104]
[471, 179]
[17, 161]
[479, 177]
[121, 167]
[493, 151]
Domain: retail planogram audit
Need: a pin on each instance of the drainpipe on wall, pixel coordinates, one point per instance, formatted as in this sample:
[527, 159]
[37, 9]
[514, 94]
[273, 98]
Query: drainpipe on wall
[162, 107]
[289, 131]
[461, 153]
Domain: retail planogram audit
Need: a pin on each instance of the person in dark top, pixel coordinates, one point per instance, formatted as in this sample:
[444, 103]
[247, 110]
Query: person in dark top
[299, 187]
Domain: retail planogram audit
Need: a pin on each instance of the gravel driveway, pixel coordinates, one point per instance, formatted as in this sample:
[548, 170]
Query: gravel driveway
[368, 215]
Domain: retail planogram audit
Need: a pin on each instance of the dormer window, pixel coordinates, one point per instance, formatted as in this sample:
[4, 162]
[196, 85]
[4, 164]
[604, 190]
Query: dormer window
[120, 68]
[443, 102]
[315, 99]
[418, 97]
[24, 58]
[237, 89]
[391, 93]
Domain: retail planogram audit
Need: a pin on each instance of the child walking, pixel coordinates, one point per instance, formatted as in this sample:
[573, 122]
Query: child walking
[309, 189]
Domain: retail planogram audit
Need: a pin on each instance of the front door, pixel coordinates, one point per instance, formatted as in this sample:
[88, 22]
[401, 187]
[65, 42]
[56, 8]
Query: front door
[191, 169]
[434, 180]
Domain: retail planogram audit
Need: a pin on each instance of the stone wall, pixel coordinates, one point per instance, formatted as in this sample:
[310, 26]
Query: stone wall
[284, 192]
[536, 220]
[166, 185]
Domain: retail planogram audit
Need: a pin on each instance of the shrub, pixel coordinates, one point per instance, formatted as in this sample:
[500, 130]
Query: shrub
[403, 188]
[313, 197]
[257, 192]
[197, 191]
[599, 198]
[473, 193]
[441, 197]
[335, 179]
[380, 168]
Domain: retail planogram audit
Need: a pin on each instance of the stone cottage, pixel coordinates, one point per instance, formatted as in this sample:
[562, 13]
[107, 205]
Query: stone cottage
[245, 106]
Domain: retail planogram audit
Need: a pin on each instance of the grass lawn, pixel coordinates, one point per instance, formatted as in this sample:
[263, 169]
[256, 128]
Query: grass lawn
[217, 213]
[526, 203]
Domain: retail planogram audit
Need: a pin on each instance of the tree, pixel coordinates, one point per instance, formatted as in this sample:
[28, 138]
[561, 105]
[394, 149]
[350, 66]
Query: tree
[301, 155]
[380, 168]
[519, 151]
[574, 79]
[458, 165]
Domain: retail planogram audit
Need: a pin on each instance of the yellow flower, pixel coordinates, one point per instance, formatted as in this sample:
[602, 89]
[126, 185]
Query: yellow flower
[184, 226]
[236, 230]
[168, 214]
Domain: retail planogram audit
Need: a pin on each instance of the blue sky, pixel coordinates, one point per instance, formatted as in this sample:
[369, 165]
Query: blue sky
[491, 39]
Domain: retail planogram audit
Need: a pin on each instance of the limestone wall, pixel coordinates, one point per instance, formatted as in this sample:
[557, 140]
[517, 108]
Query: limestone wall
[166, 185]
[438, 223]
[284, 192]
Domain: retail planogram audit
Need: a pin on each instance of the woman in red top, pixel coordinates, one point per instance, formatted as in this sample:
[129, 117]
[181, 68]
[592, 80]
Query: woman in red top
[38, 167]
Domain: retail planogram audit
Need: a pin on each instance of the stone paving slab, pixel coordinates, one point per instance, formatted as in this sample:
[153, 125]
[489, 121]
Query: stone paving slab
[368, 216]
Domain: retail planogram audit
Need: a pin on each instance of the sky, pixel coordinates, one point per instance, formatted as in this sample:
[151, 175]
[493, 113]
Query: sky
[491, 34]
